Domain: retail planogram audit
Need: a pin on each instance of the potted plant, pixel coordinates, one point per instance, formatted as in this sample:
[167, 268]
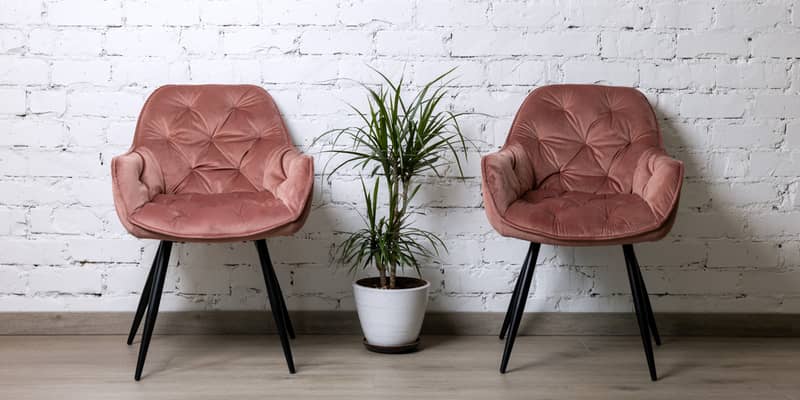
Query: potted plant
[398, 142]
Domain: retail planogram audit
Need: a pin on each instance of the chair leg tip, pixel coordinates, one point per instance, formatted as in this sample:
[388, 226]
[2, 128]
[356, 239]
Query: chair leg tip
[653, 376]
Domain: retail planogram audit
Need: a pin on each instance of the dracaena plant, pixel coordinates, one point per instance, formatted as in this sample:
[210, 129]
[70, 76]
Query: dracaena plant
[398, 141]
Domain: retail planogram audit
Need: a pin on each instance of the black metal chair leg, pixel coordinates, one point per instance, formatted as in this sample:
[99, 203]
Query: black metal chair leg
[526, 275]
[144, 298]
[514, 295]
[651, 318]
[284, 310]
[641, 313]
[162, 259]
[274, 301]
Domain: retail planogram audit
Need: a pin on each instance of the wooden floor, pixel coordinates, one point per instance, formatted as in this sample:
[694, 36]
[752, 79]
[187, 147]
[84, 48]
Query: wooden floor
[338, 367]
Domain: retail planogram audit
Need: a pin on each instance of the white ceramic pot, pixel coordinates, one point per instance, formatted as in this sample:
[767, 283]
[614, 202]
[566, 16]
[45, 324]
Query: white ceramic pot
[391, 317]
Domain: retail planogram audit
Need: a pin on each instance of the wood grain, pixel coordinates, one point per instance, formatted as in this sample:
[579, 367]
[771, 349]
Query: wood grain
[341, 322]
[448, 367]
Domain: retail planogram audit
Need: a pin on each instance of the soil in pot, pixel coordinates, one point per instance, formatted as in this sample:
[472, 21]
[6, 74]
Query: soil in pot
[401, 282]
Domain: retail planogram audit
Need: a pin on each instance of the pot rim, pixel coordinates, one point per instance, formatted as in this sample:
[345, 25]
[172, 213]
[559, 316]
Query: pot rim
[425, 286]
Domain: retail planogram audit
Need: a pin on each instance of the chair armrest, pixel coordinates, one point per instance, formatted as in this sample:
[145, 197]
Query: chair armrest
[507, 175]
[136, 178]
[658, 179]
[290, 177]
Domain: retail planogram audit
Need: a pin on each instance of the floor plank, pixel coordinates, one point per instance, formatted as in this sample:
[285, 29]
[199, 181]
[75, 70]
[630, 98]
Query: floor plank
[338, 367]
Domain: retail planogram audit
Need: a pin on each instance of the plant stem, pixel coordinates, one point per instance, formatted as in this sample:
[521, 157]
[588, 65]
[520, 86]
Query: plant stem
[397, 216]
[382, 274]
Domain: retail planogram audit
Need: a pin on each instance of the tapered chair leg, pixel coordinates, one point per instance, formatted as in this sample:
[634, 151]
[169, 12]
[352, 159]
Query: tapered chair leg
[144, 298]
[273, 291]
[526, 276]
[514, 295]
[639, 306]
[651, 318]
[162, 259]
[284, 310]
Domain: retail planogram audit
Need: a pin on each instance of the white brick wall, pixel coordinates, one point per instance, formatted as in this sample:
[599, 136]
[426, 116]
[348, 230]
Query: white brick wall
[723, 76]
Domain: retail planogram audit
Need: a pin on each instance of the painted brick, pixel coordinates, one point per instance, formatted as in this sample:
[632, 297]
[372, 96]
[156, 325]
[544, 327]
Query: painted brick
[48, 101]
[65, 221]
[638, 44]
[777, 105]
[526, 14]
[607, 13]
[12, 41]
[165, 13]
[104, 104]
[21, 12]
[151, 73]
[335, 42]
[712, 43]
[249, 40]
[777, 44]
[721, 76]
[32, 252]
[395, 12]
[143, 42]
[713, 106]
[23, 70]
[601, 72]
[569, 43]
[448, 13]
[12, 101]
[85, 12]
[84, 279]
[13, 280]
[428, 43]
[230, 12]
[514, 72]
[752, 75]
[762, 15]
[686, 15]
[737, 254]
[72, 72]
[483, 43]
[669, 75]
[104, 250]
[204, 40]
[66, 42]
[305, 12]
[13, 221]
[746, 136]
[30, 132]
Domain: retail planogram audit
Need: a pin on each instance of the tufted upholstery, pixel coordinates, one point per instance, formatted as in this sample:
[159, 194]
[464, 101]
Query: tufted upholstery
[211, 162]
[582, 165]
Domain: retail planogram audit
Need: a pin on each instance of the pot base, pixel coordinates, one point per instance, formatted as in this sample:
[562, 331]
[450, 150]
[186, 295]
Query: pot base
[402, 349]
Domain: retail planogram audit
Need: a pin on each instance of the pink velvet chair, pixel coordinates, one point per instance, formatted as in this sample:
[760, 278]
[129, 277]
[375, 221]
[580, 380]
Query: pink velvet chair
[211, 163]
[583, 165]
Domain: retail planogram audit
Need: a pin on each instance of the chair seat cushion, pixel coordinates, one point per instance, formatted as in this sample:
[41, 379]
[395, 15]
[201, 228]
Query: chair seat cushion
[208, 216]
[580, 216]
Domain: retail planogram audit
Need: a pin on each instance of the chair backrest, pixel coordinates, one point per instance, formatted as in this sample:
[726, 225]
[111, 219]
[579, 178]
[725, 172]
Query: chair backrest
[585, 138]
[210, 138]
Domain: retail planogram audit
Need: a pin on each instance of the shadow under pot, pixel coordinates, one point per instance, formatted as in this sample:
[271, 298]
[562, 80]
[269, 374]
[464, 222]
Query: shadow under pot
[391, 319]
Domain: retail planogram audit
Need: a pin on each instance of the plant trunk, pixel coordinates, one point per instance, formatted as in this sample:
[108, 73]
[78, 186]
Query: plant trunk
[382, 274]
[393, 277]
